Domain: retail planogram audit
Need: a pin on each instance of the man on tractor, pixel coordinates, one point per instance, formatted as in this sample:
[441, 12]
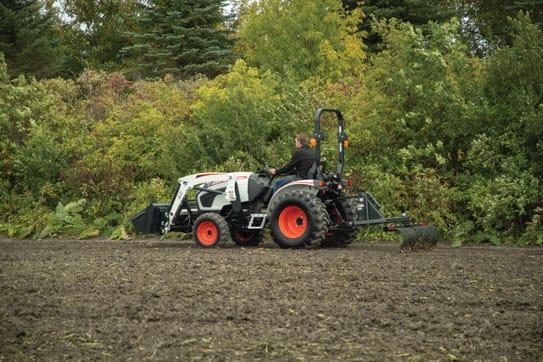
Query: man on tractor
[300, 163]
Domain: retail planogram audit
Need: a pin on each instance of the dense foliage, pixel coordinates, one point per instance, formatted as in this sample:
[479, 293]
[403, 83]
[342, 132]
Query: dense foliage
[454, 138]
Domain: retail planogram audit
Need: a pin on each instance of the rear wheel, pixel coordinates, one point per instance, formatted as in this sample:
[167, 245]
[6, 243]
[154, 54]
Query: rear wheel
[342, 212]
[210, 230]
[298, 218]
[246, 237]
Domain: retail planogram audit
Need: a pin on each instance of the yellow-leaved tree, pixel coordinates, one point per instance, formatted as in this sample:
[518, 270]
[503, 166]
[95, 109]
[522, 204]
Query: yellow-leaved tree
[302, 39]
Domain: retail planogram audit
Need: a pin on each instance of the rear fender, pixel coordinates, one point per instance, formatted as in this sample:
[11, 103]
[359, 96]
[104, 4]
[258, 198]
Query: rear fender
[307, 185]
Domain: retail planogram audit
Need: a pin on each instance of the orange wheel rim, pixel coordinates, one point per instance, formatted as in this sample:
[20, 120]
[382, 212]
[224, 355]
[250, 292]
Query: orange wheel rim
[207, 233]
[243, 236]
[292, 222]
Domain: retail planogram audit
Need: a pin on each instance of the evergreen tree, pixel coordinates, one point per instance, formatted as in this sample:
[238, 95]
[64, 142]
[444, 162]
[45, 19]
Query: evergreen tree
[29, 39]
[182, 38]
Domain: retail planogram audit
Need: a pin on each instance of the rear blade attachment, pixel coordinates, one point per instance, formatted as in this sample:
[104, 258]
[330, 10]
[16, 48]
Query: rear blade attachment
[416, 237]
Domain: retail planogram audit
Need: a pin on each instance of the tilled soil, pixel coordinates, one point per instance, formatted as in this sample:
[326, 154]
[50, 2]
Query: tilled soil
[155, 299]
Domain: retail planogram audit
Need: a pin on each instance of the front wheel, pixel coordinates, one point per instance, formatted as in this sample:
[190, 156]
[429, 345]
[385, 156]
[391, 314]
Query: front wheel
[210, 230]
[298, 218]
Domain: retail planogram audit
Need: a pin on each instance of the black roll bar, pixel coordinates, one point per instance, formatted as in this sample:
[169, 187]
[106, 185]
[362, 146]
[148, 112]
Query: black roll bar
[341, 137]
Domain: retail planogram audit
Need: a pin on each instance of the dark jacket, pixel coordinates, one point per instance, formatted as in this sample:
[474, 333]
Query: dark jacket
[301, 162]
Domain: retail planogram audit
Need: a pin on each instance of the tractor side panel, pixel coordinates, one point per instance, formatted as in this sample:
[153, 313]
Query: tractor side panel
[218, 182]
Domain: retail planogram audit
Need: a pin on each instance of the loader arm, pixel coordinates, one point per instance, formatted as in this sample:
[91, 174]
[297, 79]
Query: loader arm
[222, 184]
[177, 203]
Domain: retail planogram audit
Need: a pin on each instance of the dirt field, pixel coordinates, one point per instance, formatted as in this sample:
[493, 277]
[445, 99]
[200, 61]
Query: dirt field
[166, 300]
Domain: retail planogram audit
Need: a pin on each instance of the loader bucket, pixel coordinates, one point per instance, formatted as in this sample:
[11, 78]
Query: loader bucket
[148, 221]
[417, 237]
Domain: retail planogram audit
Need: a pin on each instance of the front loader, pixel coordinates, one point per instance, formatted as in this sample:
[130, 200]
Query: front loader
[239, 206]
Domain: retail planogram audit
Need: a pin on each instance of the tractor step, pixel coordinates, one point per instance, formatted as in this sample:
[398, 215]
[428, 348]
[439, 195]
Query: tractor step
[257, 221]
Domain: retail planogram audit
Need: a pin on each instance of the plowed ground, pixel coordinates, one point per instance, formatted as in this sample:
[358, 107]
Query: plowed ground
[155, 299]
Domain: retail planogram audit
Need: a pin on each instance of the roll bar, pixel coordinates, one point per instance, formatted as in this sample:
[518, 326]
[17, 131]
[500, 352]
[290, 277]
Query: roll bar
[341, 137]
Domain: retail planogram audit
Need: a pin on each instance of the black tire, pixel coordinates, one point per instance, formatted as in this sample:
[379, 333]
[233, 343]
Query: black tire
[210, 230]
[342, 211]
[246, 237]
[297, 218]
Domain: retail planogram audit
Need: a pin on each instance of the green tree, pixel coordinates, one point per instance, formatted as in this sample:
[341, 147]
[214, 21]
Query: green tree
[29, 39]
[20, 104]
[182, 38]
[485, 25]
[38, 138]
[514, 89]
[416, 12]
[411, 118]
[505, 187]
[302, 39]
[421, 88]
[234, 113]
[94, 32]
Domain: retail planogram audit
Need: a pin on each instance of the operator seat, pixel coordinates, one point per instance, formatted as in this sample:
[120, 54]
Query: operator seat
[315, 172]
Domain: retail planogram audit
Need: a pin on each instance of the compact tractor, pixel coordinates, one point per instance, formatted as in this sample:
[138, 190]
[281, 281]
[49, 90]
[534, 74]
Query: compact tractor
[320, 211]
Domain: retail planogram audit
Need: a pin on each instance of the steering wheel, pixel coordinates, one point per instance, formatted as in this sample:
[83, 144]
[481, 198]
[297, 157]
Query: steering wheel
[264, 172]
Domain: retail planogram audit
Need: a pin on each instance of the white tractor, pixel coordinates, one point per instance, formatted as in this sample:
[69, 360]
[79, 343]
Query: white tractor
[240, 206]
